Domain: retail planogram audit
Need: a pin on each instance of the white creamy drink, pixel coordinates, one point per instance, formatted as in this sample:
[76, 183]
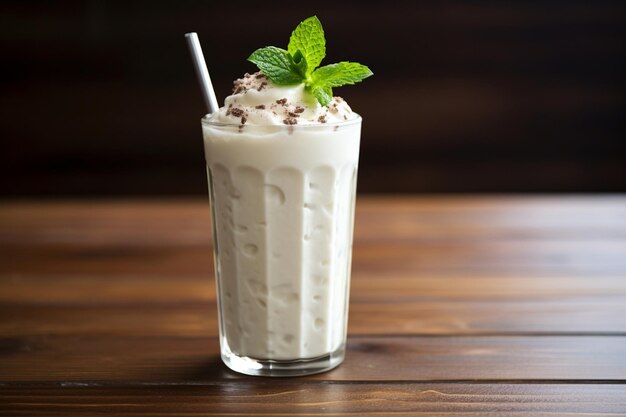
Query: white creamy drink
[282, 156]
[282, 175]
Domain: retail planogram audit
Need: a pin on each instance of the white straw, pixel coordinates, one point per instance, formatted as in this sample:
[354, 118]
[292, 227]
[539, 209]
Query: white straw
[202, 72]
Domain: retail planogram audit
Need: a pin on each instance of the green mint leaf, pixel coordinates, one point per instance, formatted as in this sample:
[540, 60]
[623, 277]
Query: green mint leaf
[343, 73]
[323, 94]
[308, 38]
[278, 65]
[301, 64]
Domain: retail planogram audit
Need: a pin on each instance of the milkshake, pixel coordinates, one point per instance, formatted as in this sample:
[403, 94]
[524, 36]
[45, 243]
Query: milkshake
[282, 168]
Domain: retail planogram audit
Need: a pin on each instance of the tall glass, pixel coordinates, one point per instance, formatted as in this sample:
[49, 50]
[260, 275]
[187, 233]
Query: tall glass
[282, 202]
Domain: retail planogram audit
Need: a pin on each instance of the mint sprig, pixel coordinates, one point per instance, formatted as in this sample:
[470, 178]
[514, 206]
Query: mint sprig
[300, 62]
[308, 38]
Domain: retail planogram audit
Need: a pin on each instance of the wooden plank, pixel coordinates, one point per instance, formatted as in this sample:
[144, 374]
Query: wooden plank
[189, 360]
[432, 318]
[196, 319]
[421, 304]
[574, 235]
[558, 256]
[187, 222]
[366, 287]
[278, 398]
[126, 222]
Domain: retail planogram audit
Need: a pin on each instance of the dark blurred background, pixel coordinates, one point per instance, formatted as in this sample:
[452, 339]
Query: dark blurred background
[99, 98]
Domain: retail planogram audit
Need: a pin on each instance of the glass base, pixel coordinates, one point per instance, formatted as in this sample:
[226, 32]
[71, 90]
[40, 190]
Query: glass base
[284, 368]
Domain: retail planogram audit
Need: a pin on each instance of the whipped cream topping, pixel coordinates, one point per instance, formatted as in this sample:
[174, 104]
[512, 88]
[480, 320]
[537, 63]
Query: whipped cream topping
[257, 101]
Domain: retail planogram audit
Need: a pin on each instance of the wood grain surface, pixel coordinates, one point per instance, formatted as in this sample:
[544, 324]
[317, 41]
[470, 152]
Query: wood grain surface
[459, 305]
[284, 398]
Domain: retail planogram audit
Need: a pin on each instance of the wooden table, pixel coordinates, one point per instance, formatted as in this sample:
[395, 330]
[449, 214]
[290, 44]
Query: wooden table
[508, 305]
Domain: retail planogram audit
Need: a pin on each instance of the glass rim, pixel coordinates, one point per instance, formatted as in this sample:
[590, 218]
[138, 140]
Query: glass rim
[206, 122]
